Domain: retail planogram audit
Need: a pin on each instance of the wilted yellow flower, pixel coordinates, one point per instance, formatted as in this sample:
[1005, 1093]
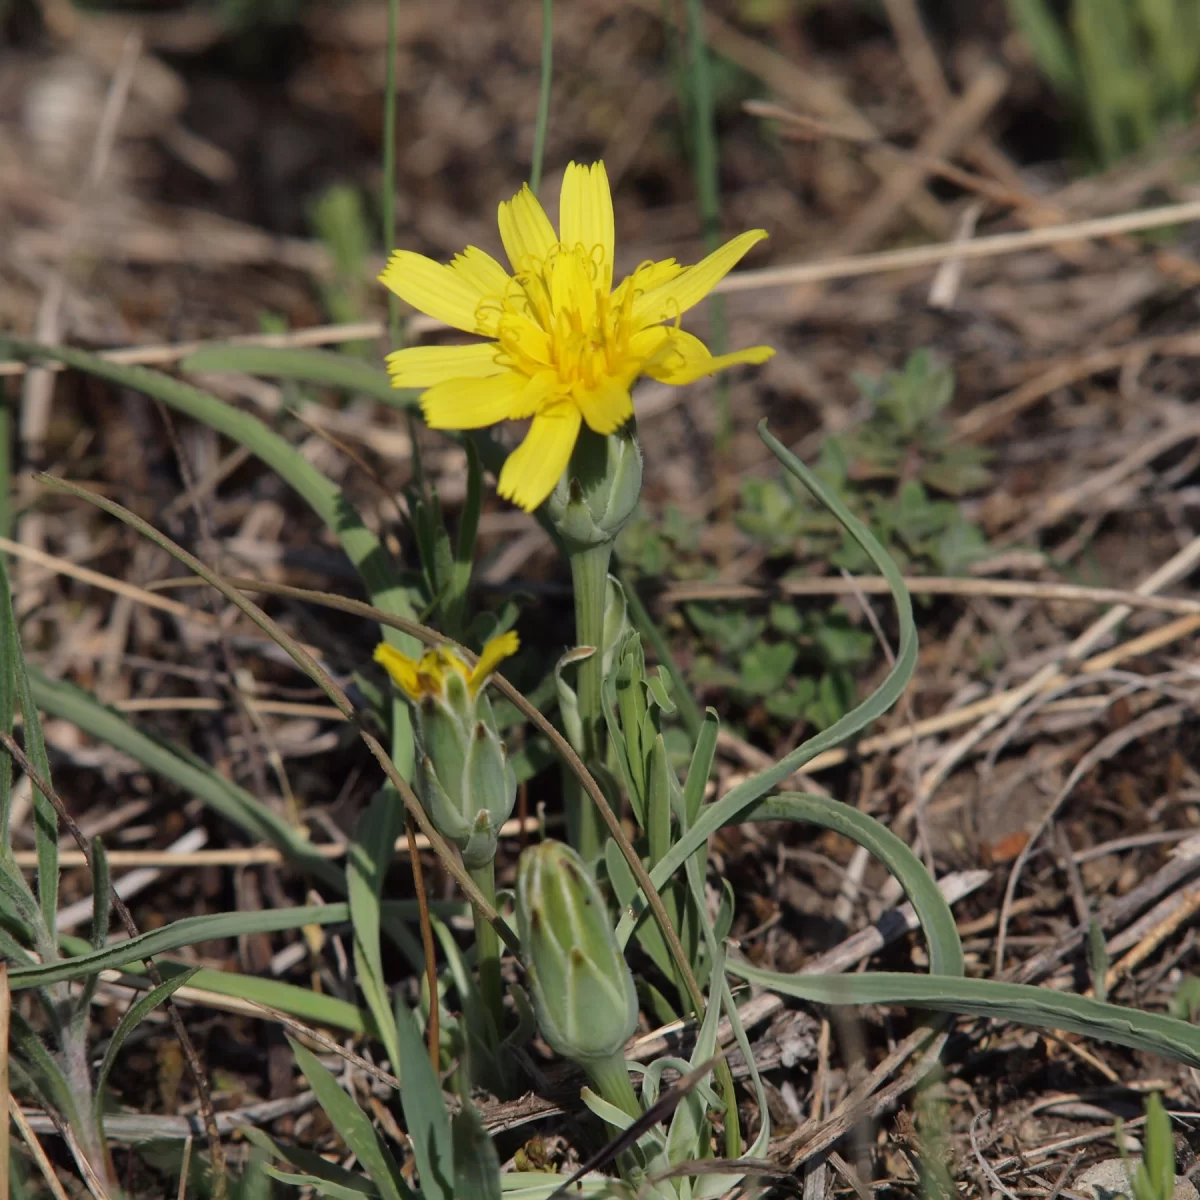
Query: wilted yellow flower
[566, 346]
[427, 676]
[464, 777]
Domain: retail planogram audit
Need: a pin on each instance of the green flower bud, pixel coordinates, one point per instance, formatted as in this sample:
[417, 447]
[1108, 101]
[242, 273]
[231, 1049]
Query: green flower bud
[599, 490]
[464, 778]
[582, 990]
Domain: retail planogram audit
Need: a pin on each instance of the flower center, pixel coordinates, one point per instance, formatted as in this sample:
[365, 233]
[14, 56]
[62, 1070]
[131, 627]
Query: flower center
[558, 316]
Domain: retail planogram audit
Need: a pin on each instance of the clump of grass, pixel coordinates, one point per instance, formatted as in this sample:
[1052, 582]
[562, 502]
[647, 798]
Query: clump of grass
[1128, 69]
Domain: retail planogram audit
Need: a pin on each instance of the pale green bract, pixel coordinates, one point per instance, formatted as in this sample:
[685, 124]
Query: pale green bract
[583, 992]
[464, 779]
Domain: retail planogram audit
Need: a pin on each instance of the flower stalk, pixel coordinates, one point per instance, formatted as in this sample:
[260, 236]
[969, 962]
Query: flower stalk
[589, 579]
[487, 945]
[464, 778]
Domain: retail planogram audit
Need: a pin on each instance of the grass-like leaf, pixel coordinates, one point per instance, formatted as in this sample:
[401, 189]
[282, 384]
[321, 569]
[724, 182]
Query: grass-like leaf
[326, 367]
[370, 857]
[325, 498]
[45, 819]
[185, 932]
[354, 1126]
[728, 810]
[424, 1111]
[1017, 1002]
[182, 768]
[133, 1017]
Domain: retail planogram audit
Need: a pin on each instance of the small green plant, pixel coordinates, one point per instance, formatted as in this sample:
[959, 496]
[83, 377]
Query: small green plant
[893, 471]
[664, 546]
[340, 222]
[789, 664]
[1130, 69]
[1152, 1177]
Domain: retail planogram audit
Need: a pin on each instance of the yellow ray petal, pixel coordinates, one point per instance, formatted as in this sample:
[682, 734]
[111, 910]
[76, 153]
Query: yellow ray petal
[646, 278]
[525, 229]
[434, 289]
[585, 217]
[482, 271]
[606, 408]
[494, 652]
[474, 403]
[402, 669]
[536, 465]
[666, 302]
[423, 366]
[684, 359]
[524, 339]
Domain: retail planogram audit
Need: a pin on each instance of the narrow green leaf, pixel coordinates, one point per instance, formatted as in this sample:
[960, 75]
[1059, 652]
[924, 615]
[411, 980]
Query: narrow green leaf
[354, 1126]
[658, 805]
[728, 809]
[309, 366]
[454, 604]
[428, 1123]
[328, 1178]
[1098, 961]
[326, 1187]
[646, 625]
[367, 867]
[45, 819]
[325, 498]
[1016, 1002]
[101, 894]
[700, 768]
[476, 1163]
[235, 804]
[42, 1070]
[133, 1017]
[185, 932]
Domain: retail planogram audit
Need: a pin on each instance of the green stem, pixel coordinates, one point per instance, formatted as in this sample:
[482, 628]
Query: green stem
[543, 114]
[487, 947]
[707, 168]
[389, 163]
[610, 1077]
[644, 623]
[589, 577]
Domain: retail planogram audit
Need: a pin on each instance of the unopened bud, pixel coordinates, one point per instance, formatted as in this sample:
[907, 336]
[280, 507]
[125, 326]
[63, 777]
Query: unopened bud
[583, 992]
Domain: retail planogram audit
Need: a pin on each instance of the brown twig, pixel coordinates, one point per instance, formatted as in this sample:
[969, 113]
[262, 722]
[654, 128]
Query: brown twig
[434, 1030]
[35, 1148]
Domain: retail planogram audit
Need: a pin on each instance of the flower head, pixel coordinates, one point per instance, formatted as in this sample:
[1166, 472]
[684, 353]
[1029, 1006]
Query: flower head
[464, 778]
[430, 676]
[583, 993]
[564, 345]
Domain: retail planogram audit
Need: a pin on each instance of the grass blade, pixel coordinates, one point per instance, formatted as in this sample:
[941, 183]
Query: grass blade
[325, 367]
[933, 913]
[424, 1111]
[354, 1126]
[128, 1023]
[476, 1163]
[370, 857]
[1017, 1002]
[315, 1008]
[184, 932]
[235, 804]
[728, 809]
[325, 498]
[45, 819]
[544, 89]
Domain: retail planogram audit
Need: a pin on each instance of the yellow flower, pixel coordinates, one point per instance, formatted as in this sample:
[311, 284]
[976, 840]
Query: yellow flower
[565, 345]
[426, 676]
